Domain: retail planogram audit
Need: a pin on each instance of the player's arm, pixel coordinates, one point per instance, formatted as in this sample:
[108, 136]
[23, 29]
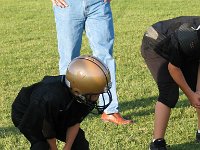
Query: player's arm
[50, 111]
[52, 144]
[71, 135]
[179, 78]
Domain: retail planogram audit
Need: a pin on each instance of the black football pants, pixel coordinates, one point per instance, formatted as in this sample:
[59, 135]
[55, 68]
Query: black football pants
[80, 143]
[40, 143]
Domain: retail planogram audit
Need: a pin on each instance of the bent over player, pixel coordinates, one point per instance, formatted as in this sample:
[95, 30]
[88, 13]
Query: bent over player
[54, 108]
[171, 50]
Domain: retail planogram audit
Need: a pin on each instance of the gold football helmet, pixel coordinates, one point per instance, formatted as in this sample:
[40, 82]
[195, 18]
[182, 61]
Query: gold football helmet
[86, 76]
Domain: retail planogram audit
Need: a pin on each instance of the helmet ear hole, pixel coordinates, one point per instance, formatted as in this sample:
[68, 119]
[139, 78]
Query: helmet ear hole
[75, 91]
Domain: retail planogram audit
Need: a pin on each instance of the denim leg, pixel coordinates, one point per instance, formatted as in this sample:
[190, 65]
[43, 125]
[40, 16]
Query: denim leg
[96, 17]
[100, 32]
[69, 25]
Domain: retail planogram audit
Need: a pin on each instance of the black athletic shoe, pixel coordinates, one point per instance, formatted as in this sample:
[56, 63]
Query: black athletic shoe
[158, 144]
[198, 137]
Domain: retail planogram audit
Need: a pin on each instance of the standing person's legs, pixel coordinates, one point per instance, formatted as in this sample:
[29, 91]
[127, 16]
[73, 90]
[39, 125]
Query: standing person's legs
[198, 126]
[100, 32]
[198, 115]
[69, 27]
[168, 96]
[161, 118]
[168, 89]
[198, 123]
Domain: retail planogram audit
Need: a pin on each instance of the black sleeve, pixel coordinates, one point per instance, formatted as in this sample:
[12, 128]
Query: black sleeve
[51, 113]
[40, 115]
[175, 55]
[32, 120]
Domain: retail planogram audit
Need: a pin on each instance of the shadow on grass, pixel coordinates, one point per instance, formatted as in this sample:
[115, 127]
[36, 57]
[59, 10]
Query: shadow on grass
[141, 107]
[138, 107]
[146, 106]
[6, 131]
[186, 146]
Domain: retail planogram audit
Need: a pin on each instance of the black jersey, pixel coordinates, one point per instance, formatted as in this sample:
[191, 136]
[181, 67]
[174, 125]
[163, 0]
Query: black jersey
[163, 40]
[47, 107]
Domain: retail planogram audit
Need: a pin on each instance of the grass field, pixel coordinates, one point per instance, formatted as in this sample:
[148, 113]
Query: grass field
[28, 51]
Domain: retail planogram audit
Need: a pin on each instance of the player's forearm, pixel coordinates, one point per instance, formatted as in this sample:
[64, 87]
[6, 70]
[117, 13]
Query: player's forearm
[52, 144]
[178, 77]
[71, 135]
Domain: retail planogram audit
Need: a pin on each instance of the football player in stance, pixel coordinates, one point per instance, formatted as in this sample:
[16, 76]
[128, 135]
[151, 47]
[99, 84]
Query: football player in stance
[54, 108]
[171, 50]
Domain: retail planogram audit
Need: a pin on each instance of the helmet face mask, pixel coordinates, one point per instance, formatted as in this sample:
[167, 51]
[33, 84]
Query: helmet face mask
[86, 99]
[101, 108]
[88, 77]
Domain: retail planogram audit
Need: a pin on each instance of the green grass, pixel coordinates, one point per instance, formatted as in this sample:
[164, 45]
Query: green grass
[28, 51]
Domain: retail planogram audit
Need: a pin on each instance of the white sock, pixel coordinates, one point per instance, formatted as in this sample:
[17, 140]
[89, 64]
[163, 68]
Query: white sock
[198, 131]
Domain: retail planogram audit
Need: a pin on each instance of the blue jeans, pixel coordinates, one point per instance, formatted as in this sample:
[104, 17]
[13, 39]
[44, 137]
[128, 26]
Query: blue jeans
[95, 18]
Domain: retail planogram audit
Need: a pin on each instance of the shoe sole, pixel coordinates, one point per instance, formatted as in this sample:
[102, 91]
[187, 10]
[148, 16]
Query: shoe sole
[106, 121]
